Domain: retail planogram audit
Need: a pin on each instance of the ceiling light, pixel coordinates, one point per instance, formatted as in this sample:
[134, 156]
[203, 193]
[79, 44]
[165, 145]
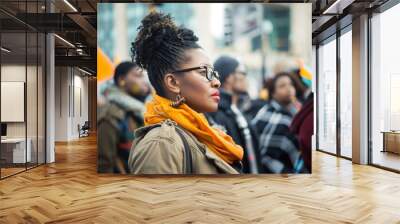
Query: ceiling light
[70, 5]
[64, 40]
[332, 7]
[84, 71]
[5, 50]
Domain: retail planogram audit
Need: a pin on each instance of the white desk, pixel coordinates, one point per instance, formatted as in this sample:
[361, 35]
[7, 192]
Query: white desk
[17, 146]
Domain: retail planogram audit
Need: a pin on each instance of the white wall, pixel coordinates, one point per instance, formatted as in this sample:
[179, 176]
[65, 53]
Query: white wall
[71, 93]
[80, 100]
[61, 103]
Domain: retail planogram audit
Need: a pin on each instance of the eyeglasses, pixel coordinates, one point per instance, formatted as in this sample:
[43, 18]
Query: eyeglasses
[210, 72]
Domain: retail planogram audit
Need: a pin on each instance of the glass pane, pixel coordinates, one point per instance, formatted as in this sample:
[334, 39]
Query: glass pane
[327, 97]
[346, 94]
[386, 89]
[41, 99]
[22, 80]
[13, 86]
[31, 97]
[32, 85]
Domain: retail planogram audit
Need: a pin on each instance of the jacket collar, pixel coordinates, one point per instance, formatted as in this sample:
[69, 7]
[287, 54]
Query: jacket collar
[124, 100]
[141, 132]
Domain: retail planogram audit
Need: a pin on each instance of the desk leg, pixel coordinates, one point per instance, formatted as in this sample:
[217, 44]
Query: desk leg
[384, 142]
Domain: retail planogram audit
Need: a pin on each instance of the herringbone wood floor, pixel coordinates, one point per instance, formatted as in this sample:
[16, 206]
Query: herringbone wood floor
[70, 191]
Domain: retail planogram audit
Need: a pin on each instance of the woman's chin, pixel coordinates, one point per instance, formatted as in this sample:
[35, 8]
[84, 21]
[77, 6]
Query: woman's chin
[213, 107]
[210, 108]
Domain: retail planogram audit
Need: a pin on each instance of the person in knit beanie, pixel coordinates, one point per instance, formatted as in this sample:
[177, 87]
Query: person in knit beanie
[303, 123]
[229, 116]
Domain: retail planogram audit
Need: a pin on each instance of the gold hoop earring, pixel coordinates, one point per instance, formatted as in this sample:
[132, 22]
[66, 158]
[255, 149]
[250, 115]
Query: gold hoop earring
[178, 101]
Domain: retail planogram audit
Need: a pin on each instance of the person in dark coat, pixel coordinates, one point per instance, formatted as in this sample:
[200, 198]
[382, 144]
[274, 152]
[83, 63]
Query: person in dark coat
[303, 123]
[229, 116]
[302, 126]
[119, 117]
[278, 147]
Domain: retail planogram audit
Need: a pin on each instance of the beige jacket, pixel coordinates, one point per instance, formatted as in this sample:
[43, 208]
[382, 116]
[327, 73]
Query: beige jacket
[159, 149]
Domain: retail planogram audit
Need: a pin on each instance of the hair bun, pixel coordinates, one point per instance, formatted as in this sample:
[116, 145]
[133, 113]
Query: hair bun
[160, 47]
[185, 34]
[155, 29]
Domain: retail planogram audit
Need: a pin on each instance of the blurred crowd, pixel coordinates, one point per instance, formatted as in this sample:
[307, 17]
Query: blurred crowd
[274, 129]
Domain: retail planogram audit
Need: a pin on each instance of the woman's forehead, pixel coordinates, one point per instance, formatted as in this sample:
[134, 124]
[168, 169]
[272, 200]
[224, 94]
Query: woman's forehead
[197, 57]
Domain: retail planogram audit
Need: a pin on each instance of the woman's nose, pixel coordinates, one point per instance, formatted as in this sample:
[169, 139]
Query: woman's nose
[215, 83]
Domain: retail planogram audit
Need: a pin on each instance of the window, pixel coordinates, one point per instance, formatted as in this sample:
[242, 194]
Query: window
[346, 94]
[327, 97]
[385, 89]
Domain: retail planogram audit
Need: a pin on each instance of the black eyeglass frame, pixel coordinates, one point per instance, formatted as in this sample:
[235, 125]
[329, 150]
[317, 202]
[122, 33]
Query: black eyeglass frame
[210, 72]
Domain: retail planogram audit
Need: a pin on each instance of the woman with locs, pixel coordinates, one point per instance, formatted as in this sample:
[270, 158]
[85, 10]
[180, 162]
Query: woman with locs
[177, 139]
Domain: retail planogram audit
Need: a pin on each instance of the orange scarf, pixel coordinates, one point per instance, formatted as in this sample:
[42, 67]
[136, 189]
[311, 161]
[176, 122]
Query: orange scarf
[159, 109]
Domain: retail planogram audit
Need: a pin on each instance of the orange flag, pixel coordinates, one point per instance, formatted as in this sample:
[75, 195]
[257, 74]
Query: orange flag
[105, 67]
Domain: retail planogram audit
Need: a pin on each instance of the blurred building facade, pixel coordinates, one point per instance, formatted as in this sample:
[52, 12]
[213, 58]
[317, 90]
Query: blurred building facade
[118, 24]
[267, 38]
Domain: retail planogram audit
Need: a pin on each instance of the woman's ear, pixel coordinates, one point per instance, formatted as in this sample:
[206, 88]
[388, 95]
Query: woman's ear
[172, 83]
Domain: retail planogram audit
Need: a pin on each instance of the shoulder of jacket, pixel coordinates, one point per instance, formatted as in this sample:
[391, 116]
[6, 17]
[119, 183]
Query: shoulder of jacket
[111, 111]
[112, 114]
[166, 134]
[157, 140]
[165, 130]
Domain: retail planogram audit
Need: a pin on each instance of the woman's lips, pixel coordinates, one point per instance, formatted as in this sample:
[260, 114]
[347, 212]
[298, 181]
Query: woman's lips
[215, 96]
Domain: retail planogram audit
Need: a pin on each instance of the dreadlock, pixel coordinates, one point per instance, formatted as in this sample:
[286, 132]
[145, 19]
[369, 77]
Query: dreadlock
[160, 46]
